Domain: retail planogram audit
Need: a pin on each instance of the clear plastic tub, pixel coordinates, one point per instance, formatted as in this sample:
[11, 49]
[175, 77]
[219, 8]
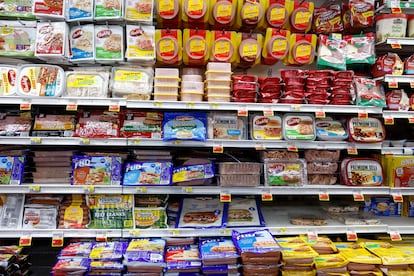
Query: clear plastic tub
[239, 168]
[221, 83]
[165, 96]
[167, 72]
[165, 89]
[219, 66]
[166, 81]
[198, 78]
[239, 180]
[194, 86]
[222, 91]
[192, 71]
[218, 75]
[192, 96]
[218, 98]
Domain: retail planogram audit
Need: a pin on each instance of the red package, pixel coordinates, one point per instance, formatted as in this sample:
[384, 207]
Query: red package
[244, 86]
[409, 65]
[244, 100]
[277, 15]
[267, 100]
[291, 101]
[267, 95]
[388, 64]
[318, 81]
[244, 78]
[244, 93]
[292, 73]
[317, 90]
[349, 74]
[294, 81]
[397, 100]
[358, 15]
[360, 48]
[327, 19]
[269, 80]
[98, 124]
[318, 73]
[294, 87]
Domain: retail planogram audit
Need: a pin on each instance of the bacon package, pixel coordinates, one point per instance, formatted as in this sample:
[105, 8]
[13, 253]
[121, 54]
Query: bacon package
[53, 125]
[169, 44]
[301, 17]
[327, 19]
[97, 124]
[276, 46]
[196, 47]
[358, 15]
[222, 13]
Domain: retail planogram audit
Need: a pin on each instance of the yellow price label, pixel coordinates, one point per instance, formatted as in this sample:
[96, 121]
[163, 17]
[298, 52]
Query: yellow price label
[267, 197]
[25, 241]
[225, 197]
[324, 197]
[72, 107]
[25, 106]
[218, 149]
[351, 236]
[358, 197]
[352, 151]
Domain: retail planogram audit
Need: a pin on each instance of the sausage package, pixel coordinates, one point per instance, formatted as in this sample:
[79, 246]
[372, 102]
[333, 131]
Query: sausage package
[49, 8]
[39, 218]
[139, 11]
[185, 126]
[302, 49]
[96, 170]
[109, 42]
[298, 127]
[111, 211]
[276, 46]
[169, 45]
[361, 172]
[82, 43]
[196, 44]
[17, 39]
[222, 13]
[140, 44]
[108, 9]
[223, 46]
[202, 212]
[368, 130]
[195, 13]
[150, 218]
[278, 13]
[147, 173]
[79, 10]
[251, 14]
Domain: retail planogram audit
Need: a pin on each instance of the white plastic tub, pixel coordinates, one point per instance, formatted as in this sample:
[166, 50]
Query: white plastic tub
[390, 25]
[193, 86]
[191, 96]
[218, 75]
[165, 89]
[165, 96]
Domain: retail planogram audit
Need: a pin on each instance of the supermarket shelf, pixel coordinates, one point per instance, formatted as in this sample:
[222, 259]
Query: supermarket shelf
[401, 46]
[64, 101]
[63, 188]
[398, 114]
[405, 191]
[399, 79]
[406, 6]
[69, 233]
[62, 141]
[397, 150]
[402, 225]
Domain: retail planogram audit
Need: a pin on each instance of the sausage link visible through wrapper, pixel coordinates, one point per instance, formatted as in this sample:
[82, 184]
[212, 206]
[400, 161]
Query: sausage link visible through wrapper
[282, 42]
[220, 54]
[224, 20]
[249, 16]
[273, 16]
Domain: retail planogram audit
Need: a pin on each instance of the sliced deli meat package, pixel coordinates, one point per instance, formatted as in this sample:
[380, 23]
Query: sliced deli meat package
[108, 9]
[185, 126]
[266, 127]
[222, 125]
[276, 46]
[278, 13]
[140, 42]
[169, 45]
[49, 8]
[8, 75]
[51, 39]
[215, 251]
[12, 168]
[17, 9]
[332, 53]
[369, 92]
[285, 172]
[109, 43]
[82, 43]
[362, 172]
[142, 124]
[222, 13]
[369, 130]
[132, 83]
[79, 10]
[139, 11]
[96, 170]
[298, 127]
[360, 48]
[17, 39]
[301, 17]
[358, 15]
[330, 130]
[244, 212]
[147, 173]
[98, 124]
[327, 19]
[87, 84]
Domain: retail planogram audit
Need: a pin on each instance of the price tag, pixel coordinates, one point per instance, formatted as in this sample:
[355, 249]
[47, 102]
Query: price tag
[412, 85]
[72, 107]
[25, 241]
[397, 198]
[187, 189]
[295, 107]
[396, 45]
[323, 196]
[134, 233]
[411, 120]
[114, 108]
[351, 236]
[320, 114]
[35, 140]
[25, 106]
[225, 232]
[89, 189]
[218, 149]
[362, 115]
[174, 232]
[358, 197]
[395, 236]
[34, 189]
[141, 190]
[136, 141]
[267, 197]
[352, 151]
[177, 142]
[101, 237]
[281, 230]
[293, 148]
[225, 197]
[393, 84]
[57, 239]
[84, 141]
[242, 113]
[268, 112]
[396, 10]
[158, 104]
[312, 236]
[260, 147]
[389, 121]
[213, 105]
[190, 105]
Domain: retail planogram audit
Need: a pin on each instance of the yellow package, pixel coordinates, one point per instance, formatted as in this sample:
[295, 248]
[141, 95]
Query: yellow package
[400, 272]
[168, 13]
[195, 13]
[224, 46]
[169, 44]
[385, 159]
[353, 252]
[400, 171]
[196, 44]
[301, 17]
[390, 254]
[249, 50]
[330, 261]
[278, 14]
[222, 14]
[322, 245]
[275, 46]
[286, 272]
[251, 14]
[296, 251]
[301, 49]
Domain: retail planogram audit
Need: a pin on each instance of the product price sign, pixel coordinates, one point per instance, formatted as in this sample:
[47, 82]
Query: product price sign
[312, 236]
[388, 121]
[362, 115]
[352, 151]
[114, 108]
[397, 198]
[225, 197]
[411, 119]
[320, 114]
[218, 149]
[351, 236]
[25, 241]
[393, 84]
[72, 107]
[267, 197]
[323, 196]
[25, 106]
[57, 240]
[268, 112]
[395, 236]
[358, 197]
[242, 113]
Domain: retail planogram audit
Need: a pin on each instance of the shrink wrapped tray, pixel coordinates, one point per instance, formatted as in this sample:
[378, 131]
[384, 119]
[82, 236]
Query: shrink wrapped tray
[239, 180]
[150, 217]
[79, 10]
[40, 80]
[266, 127]
[132, 83]
[96, 170]
[8, 75]
[322, 155]
[355, 218]
[369, 130]
[108, 250]
[279, 154]
[98, 124]
[77, 249]
[147, 173]
[87, 84]
[285, 172]
[39, 218]
[15, 125]
[216, 251]
[142, 124]
[298, 127]
[145, 255]
[12, 169]
[382, 206]
[307, 219]
[322, 167]
[362, 172]
[76, 266]
[223, 125]
[322, 179]
[53, 125]
[239, 168]
[12, 211]
[244, 212]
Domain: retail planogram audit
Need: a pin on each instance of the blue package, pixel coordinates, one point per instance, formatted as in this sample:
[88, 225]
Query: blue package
[12, 168]
[96, 170]
[261, 241]
[145, 251]
[108, 251]
[245, 212]
[223, 269]
[147, 173]
[221, 249]
[182, 257]
[193, 172]
[185, 126]
[382, 206]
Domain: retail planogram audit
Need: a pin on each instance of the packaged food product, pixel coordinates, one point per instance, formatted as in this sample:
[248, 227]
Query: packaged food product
[390, 25]
[390, 63]
[195, 14]
[53, 125]
[185, 126]
[49, 8]
[331, 52]
[73, 213]
[223, 43]
[369, 92]
[17, 39]
[196, 46]
[298, 127]
[109, 42]
[87, 84]
[15, 125]
[222, 13]
[244, 212]
[250, 48]
[108, 251]
[358, 15]
[301, 17]
[98, 124]
[409, 65]
[191, 96]
[251, 14]
[279, 154]
[397, 100]
[399, 171]
[141, 124]
[239, 180]
[21, 9]
[362, 172]
[369, 130]
[77, 249]
[215, 251]
[322, 167]
[297, 252]
[322, 179]
[167, 13]
[78, 10]
[96, 170]
[150, 218]
[301, 49]
[266, 127]
[42, 80]
[239, 168]
[226, 126]
[278, 13]
[73, 265]
[285, 172]
[12, 211]
[360, 48]
[110, 212]
[147, 173]
[51, 39]
[202, 212]
[330, 130]
[132, 83]
[382, 206]
[140, 42]
[39, 218]
[182, 258]
[139, 11]
[327, 19]
[82, 43]
[169, 44]
[12, 168]
[275, 46]
[108, 9]
[195, 172]
[8, 75]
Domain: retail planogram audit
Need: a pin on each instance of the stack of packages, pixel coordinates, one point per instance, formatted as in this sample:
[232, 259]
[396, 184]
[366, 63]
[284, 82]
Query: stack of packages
[50, 125]
[11, 208]
[322, 166]
[145, 257]
[192, 85]
[13, 262]
[218, 256]
[173, 208]
[73, 260]
[244, 88]
[73, 213]
[260, 252]
[218, 80]
[182, 256]
[297, 256]
[341, 91]
[166, 84]
[150, 211]
[269, 89]
[318, 83]
[246, 174]
[52, 166]
[294, 89]
[106, 258]
[360, 260]
[350, 214]
[142, 124]
[40, 211]
[15, 123]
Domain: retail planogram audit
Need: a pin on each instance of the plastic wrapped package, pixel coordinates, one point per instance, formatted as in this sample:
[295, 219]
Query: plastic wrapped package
[109, 43]
[77, 249]
[96, 170]
[239, 168]
[141, 124]
[49, 8]
[98, 124]
[266, 127]
[8, 75]
[298, 127]
[215, 251]
[227, 126]
[145, 255]
[53, 125]
[73, 214]
[15, 125]
[12, 211]
[238, 180]
[87, 84]
[322, 155]
[330, 130]
[82, 43]
[12, 169]
[361, 172]
[369, 130]
[39, 218]
[132, 83]
[108, 250]
[147, 173]
[17, 9]
[285, 172]
[140, 42]
[52, 40]
[150, 217]
[185, 126]
[76, 266]
[182, 258]
[111, 211]
[18, 39]
[195, 174]
[78, 10]
[139, 11]
[108, 9]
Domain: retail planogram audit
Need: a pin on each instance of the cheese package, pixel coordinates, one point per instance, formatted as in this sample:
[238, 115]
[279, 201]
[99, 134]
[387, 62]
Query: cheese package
[12, 169]
[185, 126]
[223, 125]
[111, 212]
[139, 11]
[79, 10]
[40, 80]
[108, 9]
[8, 75]
[17, 39]
[87, 84]
[244, 212]
[132, 83]
[193, 173]
[368, 130]
[140, 42]
[109, 43]
[298, 127]
[202, 212]
[285, 172]
[82, 43]
[361, 172]
[147, 173]
[51, 40]
[330, 130]
[49, 8]
[96, 170]
[266, 127]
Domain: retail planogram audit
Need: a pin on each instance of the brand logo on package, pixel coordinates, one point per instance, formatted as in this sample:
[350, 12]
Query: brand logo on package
[104, 33]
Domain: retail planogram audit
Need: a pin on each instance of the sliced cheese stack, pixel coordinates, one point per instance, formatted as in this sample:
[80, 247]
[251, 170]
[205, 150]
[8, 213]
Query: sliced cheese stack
[166, 84]
[145, 256]
[218, 82]
[192, 86]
